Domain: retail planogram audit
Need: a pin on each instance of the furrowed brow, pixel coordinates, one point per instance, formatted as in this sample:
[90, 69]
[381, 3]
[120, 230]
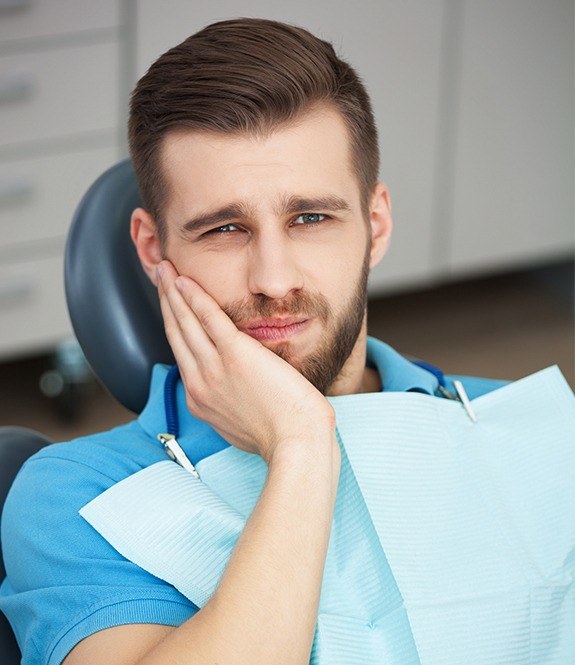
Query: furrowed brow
[289, 205]
[295, 204]
[214, 218]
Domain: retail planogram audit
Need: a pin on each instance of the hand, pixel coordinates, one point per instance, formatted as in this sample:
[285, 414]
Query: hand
[252, 397]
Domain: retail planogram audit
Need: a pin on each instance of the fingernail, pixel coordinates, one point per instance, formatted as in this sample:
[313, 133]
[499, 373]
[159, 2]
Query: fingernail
[179, 284]
[160, 271]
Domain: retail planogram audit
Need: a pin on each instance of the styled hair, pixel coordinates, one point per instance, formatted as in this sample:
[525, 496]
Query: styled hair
[245, 76]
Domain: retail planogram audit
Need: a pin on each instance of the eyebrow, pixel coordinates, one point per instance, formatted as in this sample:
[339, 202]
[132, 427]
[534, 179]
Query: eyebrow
[293, 204]
[216, 218]
[286, 205]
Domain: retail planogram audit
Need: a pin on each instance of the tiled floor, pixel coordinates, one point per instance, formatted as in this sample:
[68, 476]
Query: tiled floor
[505, 327]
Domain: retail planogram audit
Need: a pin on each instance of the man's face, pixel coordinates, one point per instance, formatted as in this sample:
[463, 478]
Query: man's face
[273, 229]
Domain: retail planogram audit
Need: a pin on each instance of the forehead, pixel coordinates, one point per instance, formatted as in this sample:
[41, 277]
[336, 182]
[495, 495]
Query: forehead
[309, 157]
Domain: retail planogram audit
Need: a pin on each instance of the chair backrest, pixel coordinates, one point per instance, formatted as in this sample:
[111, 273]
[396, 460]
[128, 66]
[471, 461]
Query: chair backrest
[113, 306]
[16, 446]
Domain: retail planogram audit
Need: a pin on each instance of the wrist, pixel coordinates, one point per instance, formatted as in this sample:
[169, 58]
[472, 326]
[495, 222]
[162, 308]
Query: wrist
[322, 450]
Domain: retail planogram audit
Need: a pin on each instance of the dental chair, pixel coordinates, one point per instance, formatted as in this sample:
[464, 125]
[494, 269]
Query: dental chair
[116, 316]
[113, 306]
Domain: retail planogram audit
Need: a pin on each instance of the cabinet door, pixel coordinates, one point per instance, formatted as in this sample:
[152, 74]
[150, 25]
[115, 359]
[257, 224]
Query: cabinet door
[22, 20]
[38, 195]
[395, 47]
[513, 157]
[33, 315]
[70, 91]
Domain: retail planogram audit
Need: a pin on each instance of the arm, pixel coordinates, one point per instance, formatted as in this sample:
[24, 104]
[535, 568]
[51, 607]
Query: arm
[265, 608]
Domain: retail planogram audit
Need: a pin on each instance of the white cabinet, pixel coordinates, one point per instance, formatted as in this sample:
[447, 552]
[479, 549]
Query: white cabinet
[474, 103]
[33, 310]
[513, 159]
[22, 20]
[59, 129]
[39, 194]
[57, 93]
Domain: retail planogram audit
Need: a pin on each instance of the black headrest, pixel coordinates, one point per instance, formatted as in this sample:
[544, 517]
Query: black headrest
[113, 306]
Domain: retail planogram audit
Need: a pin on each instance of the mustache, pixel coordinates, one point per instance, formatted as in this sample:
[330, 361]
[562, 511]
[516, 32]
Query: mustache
[306, 305]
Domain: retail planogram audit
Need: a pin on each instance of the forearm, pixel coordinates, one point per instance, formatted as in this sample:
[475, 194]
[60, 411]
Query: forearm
[265, 608]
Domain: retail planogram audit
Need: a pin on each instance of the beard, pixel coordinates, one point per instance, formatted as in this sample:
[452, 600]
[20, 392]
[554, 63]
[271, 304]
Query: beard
[340, 333]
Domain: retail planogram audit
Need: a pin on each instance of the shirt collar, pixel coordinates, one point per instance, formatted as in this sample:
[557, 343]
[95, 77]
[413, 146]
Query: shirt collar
[396, 372]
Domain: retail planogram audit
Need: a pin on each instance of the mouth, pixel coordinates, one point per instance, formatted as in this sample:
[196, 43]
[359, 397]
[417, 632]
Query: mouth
[275, 329]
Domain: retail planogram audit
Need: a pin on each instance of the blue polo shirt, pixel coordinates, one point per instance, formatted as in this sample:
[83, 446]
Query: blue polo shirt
[65, 581]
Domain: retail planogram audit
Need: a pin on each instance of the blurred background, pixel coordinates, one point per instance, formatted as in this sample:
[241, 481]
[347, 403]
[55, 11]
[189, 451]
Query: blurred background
[474, 101]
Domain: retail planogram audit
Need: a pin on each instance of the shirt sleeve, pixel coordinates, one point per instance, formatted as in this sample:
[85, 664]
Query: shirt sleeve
[64, 581]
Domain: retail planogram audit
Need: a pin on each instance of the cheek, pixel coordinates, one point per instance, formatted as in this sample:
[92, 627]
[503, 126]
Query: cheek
[339, 265]
[335, 277]
[220, 277]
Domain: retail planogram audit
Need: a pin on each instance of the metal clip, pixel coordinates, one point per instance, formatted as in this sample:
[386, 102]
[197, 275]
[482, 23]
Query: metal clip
[175, 452]
[447, 394]
[464, 399]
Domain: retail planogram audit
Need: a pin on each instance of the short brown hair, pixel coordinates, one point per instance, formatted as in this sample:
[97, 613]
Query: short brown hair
[245, 76]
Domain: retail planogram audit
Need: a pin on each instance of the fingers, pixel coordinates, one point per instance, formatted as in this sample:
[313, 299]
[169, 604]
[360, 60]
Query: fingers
[193, 316]
[189, 341]
[182, 352]
[216, 323]
[185, 295]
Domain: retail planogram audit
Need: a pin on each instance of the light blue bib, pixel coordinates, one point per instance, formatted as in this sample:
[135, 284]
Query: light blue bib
[452, 541]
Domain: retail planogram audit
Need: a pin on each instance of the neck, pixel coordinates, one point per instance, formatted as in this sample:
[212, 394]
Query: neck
[354, 376]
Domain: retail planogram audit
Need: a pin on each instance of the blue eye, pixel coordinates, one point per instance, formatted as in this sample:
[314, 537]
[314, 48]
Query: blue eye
[310, 218]
[227, 228]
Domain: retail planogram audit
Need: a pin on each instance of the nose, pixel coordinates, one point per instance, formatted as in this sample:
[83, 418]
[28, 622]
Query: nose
[273, 269]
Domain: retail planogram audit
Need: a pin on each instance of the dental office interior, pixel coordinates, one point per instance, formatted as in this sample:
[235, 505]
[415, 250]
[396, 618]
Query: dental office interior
[474, 101]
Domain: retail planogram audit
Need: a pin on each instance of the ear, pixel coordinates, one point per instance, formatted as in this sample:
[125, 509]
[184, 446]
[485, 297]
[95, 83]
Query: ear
[380, 222]
[144, 233]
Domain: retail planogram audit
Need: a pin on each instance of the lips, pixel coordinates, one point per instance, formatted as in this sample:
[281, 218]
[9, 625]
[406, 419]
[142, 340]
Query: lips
[275, 328]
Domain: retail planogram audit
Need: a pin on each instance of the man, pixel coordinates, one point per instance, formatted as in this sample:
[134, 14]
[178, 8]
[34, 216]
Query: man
[256, 155]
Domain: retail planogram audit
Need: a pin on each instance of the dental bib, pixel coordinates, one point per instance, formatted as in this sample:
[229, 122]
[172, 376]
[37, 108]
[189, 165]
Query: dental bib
[452, 541]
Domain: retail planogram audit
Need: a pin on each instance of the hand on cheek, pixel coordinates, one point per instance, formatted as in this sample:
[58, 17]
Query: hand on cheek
[255, 399]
